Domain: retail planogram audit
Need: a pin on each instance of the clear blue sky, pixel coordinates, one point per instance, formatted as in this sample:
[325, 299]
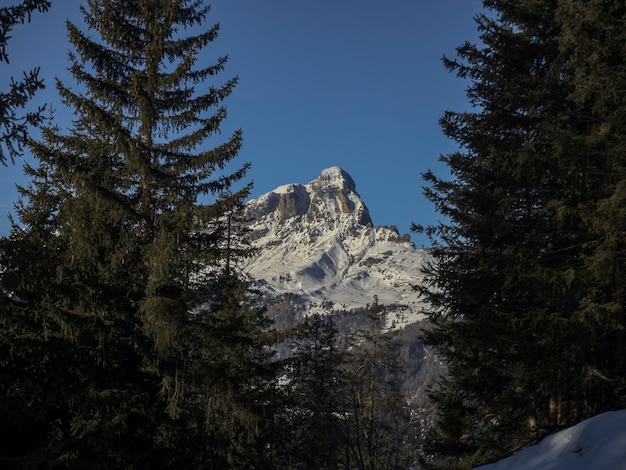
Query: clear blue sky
[353, 83]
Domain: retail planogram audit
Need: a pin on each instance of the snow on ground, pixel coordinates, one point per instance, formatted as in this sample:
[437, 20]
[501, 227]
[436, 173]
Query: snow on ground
[598, 443]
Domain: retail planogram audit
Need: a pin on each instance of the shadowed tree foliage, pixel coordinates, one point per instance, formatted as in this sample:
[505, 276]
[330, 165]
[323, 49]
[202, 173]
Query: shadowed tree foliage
[339, 401]
[377, 425]
[117, 292]
[309, 417]
[526, 286]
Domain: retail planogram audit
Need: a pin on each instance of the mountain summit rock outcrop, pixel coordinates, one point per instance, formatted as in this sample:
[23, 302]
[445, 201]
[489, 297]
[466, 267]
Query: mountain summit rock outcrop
[318, 241]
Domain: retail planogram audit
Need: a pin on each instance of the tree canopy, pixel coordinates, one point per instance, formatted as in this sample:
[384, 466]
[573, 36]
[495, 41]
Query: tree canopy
[116, 280]
[526, 286]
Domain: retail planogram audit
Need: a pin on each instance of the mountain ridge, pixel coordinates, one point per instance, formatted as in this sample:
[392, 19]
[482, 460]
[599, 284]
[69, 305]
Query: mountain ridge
[318, 241]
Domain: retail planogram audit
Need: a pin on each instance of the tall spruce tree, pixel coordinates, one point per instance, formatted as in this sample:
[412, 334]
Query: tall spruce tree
[309, 418]
[117, 259]
[525, 286]
[377, 426]
[593, 42]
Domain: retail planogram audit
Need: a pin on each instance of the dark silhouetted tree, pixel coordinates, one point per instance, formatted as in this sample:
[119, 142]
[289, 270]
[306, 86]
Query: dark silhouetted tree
[310, 415]
[525, 285]
[146, 353]
[378, 427]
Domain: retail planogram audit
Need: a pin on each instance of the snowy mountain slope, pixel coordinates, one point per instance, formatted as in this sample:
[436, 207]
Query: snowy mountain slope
[318, 241]
[319, 251]
[598, 443]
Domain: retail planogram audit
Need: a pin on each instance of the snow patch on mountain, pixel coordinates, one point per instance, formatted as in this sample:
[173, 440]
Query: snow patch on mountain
[318, 241]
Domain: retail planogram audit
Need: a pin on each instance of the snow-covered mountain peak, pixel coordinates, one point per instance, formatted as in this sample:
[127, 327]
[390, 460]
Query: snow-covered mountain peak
[317, 241]
[330, 198]
[336, 177]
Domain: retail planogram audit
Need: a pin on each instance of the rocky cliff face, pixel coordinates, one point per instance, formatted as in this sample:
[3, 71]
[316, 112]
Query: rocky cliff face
[318, 241]
[319, 251]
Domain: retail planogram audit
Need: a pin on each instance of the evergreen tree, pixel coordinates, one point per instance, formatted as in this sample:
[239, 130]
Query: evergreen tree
[377, 425]
[14, 128]
[118, 255]
[310, 414]
[515, 287]
[593, 42]
[231, 376]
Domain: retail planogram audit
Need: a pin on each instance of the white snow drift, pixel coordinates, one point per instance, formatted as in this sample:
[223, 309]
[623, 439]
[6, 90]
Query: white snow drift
[598, 443]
